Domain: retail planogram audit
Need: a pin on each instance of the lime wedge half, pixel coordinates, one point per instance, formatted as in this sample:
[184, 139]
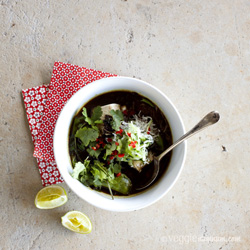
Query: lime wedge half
[77, 222]
[51, 197]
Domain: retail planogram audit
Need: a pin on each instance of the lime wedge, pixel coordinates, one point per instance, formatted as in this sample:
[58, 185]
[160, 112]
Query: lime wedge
[77, 222]
[51, 197]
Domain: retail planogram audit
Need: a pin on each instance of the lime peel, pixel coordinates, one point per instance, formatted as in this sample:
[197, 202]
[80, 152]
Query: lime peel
[77, 222]
[51, 197]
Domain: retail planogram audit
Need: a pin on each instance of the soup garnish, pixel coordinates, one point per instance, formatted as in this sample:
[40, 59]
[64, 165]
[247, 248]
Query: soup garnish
[111, 144]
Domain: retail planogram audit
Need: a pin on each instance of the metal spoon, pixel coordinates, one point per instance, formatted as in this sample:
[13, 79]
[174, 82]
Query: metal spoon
[208, 120]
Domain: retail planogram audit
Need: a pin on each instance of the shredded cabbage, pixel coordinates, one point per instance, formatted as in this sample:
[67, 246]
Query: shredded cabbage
[139, 138]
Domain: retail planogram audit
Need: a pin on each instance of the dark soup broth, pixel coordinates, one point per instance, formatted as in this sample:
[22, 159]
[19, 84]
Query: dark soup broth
[113, 139]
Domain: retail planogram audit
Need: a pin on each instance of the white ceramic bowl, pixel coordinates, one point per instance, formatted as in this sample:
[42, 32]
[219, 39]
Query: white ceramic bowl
[61, 150]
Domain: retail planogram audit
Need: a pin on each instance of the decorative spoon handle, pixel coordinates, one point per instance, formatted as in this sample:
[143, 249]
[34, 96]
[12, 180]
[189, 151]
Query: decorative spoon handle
[208, 120]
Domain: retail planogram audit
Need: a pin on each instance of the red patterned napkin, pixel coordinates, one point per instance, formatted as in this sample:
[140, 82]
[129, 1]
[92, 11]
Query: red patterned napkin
[43, 105]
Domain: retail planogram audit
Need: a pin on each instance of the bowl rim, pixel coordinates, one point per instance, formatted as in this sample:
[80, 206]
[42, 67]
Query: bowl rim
[73, 182]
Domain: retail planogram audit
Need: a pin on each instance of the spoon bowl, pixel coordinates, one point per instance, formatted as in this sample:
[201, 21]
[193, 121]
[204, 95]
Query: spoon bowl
[210, 119]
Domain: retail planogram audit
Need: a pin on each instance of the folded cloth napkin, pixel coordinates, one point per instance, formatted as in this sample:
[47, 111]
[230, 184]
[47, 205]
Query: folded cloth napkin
[43, 105]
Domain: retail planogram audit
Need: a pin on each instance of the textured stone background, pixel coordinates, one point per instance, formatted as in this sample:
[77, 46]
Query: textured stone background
[197, 52]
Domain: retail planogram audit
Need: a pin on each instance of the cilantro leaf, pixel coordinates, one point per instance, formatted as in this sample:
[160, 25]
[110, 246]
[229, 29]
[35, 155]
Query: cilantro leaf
[95, 117]
[80, 147]
[78, 122]
[86, 135]
[109, 149]
[96, 114]
[85, 115]
[94, 153]
[98, 174]
[97, 183]
[121, 184]
[113, 145]
[117, 116]
[107, 153]
[79, 168]
[115, 168]
[124, 144]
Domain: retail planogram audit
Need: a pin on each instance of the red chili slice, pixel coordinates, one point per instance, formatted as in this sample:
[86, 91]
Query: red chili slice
[121, 155]
[119, 132]
[117, 175]
[100, 141]
[115, 152]
[148, 132]
[132, 144]
[129, 134]
[125, 112]
[116, 143]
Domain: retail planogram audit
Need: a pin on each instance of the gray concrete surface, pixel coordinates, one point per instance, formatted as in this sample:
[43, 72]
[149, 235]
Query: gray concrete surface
[198, 53]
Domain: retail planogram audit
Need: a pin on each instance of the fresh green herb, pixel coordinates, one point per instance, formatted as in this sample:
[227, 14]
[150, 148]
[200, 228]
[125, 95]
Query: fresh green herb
[98, 175]
[80, 147]
[110, 190]
[128, 143]
[95, 117]
[115, 168]
[72, 143]
[124, 144]
[121, 184]
[86, 135]
[85, 115]
[78, 122]
[98, 171]
[73, 160]
[94, 152]
[159, 142]
[109, 149]
[148, 102]
[79, 168]
[117, 116]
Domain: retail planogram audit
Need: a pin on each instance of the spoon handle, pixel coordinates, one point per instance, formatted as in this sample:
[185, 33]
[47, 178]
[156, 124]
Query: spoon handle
[208, 120]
